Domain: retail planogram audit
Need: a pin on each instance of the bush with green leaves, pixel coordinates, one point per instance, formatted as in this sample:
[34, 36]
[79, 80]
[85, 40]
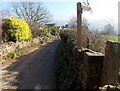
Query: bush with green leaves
[16, 29]
[54, 30]
[47, 30]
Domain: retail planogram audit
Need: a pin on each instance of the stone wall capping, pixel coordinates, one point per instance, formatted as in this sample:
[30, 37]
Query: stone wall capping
[94, 54]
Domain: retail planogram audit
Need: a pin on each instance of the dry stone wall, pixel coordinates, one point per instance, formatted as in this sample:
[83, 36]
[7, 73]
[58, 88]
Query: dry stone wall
[87, 65]
[8, 47]
[111, 64]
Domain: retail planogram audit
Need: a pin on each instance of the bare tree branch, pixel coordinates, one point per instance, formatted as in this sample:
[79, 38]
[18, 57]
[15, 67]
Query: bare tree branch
[31, 12]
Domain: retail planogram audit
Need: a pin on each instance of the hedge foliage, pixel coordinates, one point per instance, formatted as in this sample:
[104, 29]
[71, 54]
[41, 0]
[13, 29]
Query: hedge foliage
[16, 29]
[53, 30]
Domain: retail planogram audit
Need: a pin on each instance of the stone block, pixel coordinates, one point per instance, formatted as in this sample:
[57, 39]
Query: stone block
[111, 63]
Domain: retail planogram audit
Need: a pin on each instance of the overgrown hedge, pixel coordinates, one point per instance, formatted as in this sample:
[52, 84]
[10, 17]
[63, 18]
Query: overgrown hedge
[90, 40]
[53, 30]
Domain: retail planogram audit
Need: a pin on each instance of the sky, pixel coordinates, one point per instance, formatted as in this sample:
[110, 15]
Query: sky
[103, 11]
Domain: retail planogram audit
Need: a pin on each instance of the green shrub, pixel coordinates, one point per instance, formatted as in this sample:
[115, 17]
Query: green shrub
[47, 30]
[16, 29]
[54, 30]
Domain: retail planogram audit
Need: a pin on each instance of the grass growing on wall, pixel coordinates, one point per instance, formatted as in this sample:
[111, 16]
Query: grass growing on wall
[14, 54]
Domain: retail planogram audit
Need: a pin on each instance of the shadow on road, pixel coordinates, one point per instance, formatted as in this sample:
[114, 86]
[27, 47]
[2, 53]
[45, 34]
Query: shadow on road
[35, 70]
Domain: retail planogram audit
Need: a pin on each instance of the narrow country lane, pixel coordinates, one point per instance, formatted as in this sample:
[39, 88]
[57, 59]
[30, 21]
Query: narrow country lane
[35, 70]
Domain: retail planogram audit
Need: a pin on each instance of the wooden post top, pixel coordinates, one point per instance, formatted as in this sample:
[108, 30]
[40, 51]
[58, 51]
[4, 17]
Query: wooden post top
[86, 8]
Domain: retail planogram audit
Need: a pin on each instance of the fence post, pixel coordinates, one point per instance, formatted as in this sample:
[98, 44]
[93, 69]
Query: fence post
[111, 64]
[79, 26]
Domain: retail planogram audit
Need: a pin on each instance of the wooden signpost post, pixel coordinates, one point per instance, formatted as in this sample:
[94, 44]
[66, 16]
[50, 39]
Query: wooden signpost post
[79, 23]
